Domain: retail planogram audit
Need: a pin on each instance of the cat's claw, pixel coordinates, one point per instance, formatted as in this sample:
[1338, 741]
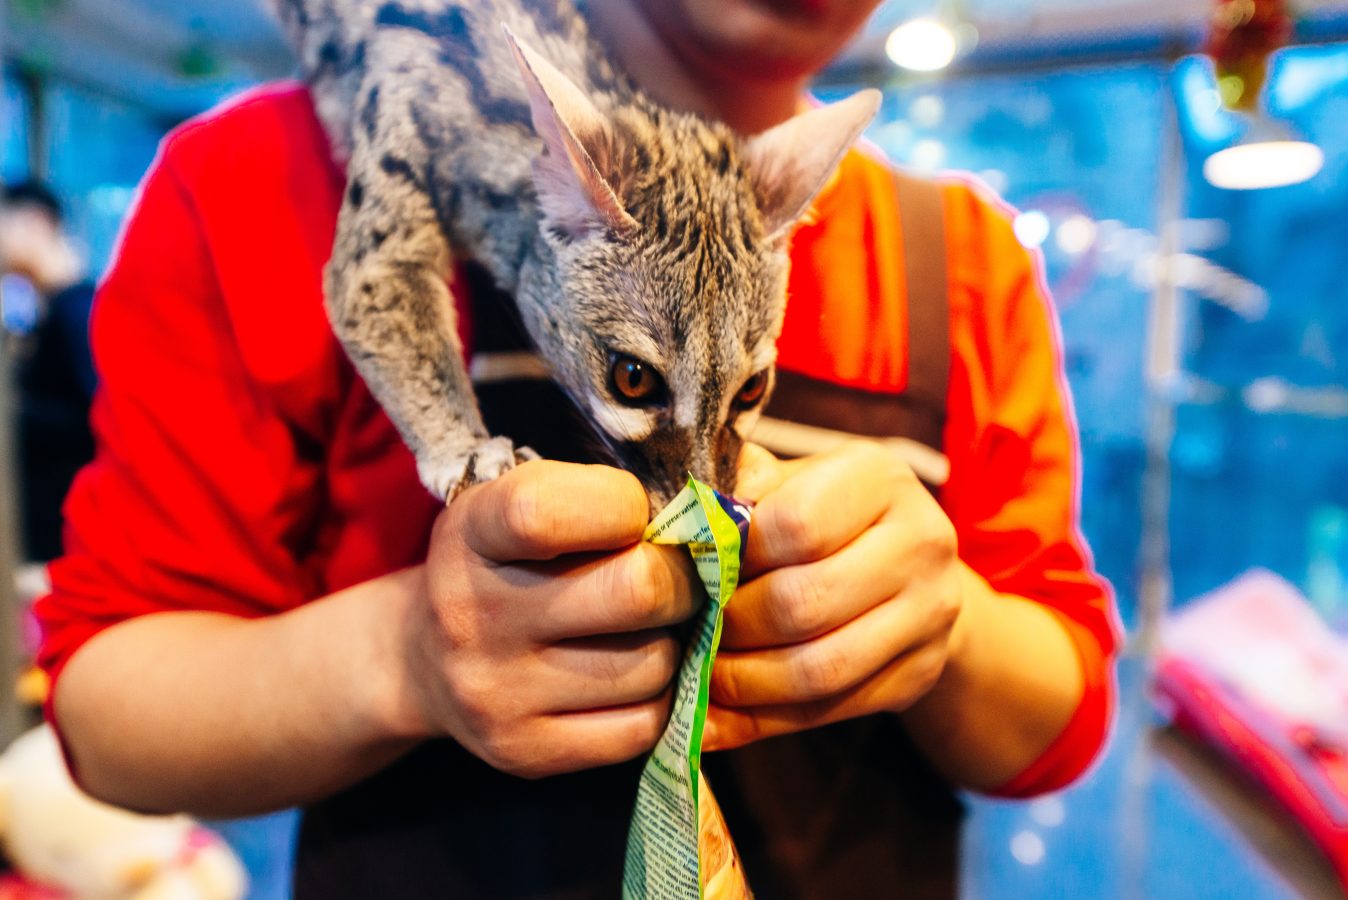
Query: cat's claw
[442, 481]
[487, 461]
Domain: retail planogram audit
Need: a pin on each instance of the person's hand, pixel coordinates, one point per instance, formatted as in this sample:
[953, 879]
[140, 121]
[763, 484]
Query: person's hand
[850, 591]
[544, 644]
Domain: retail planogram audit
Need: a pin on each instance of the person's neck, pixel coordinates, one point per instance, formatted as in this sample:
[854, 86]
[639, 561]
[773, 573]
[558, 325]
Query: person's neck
[661, 71]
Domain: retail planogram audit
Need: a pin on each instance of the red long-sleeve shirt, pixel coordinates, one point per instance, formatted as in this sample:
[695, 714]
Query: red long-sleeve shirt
[243, 466]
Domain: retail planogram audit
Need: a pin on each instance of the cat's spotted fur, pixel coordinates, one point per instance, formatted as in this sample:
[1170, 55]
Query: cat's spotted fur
[497, 130]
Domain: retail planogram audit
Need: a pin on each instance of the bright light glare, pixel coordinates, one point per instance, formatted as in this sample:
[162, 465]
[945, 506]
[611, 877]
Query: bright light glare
[1031, 228]
[923, 45]
[1076, 234]
[1028, 848]
[1265, 395]
[928, 155]
[1209, 101]
[1247, 167]
[1048, 811]
[927, 111]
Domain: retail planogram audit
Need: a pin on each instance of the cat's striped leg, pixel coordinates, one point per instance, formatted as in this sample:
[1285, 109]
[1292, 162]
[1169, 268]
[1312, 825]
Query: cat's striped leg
[389, 303]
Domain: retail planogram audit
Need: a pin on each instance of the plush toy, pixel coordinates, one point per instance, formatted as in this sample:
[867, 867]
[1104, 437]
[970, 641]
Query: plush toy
[64, 844]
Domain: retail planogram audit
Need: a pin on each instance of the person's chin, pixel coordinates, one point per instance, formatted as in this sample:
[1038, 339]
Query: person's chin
[816, 9]
[764, 67]
[768, 54]
[755, 40]
[770, 39]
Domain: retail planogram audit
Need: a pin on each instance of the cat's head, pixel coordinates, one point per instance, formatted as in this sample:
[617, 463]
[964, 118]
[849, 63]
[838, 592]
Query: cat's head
[660, 309]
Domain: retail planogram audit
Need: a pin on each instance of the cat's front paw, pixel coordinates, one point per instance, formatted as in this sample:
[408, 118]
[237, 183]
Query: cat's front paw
[489, 460]
[485, 462]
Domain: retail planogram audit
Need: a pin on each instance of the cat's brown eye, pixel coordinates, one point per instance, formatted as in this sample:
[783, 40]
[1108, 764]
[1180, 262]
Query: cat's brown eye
[635, 383]
[753, 390]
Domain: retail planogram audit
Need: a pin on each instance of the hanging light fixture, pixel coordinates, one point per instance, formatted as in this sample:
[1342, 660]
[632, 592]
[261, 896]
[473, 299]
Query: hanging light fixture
[1269, 155]
[922, 45]
[1243, 34]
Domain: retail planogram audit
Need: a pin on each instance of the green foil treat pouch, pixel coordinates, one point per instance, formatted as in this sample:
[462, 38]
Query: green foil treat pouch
[677, 846]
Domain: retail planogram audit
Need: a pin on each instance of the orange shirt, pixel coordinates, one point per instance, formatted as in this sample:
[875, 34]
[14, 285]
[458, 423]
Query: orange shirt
[1014, 488]
[243, 467]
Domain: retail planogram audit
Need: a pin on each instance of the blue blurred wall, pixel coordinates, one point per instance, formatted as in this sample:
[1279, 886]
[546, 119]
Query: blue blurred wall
[1250, 487]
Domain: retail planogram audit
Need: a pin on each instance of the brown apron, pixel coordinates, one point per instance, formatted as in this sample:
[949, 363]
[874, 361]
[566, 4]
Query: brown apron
[850, 810]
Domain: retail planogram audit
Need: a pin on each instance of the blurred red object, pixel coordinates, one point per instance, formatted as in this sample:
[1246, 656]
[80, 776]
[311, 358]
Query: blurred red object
[1242, 35]
[15, 887]
[1252, 671]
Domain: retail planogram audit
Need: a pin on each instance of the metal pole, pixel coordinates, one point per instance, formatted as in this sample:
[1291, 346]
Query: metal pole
[11, 717]
[11, 660]
[1164, 375]
[1165, 378]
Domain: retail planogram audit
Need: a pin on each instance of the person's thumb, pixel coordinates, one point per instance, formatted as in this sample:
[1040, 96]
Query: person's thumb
[759, 474]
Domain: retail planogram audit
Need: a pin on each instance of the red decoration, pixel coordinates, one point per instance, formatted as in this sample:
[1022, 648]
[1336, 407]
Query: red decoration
[1242, 36]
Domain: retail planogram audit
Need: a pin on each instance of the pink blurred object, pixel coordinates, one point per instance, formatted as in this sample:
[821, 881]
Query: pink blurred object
[15, 887]
[1253, 671]
[30, 582]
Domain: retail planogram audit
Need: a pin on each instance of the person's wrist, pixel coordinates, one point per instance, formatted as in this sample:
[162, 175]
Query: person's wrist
[959, 650]
[975, 593]
[393, 702]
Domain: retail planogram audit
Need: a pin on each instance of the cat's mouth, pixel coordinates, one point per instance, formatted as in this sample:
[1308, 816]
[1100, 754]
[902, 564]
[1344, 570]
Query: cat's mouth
[661, 487]
[664, 461]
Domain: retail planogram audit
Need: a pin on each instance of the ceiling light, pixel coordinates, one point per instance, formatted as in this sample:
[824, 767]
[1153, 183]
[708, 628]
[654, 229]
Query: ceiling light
[1268, 156]
[922, 45]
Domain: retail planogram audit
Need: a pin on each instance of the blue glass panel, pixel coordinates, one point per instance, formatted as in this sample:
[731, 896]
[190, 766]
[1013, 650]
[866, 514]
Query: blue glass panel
[1273, 466]
[1077, 151]
[99, 149]
[13, 130]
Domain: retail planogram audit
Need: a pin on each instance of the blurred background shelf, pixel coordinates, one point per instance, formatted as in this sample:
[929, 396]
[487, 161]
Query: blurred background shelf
[1160, 817]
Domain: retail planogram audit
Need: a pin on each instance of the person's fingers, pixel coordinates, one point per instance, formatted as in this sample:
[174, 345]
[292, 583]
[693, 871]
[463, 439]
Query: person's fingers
[893, 689]
[645, 586]
[829, 665]
[571, 742]
[759, 473]
[826, 502]
[796, 603]
[544, 509]
[597, 673]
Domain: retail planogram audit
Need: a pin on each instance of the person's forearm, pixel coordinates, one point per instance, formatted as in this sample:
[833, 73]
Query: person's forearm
[220, 716]
[1009, 689]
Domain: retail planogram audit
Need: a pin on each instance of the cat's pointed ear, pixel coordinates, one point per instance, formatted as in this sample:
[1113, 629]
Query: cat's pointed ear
[572, 190]
[790, 163]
